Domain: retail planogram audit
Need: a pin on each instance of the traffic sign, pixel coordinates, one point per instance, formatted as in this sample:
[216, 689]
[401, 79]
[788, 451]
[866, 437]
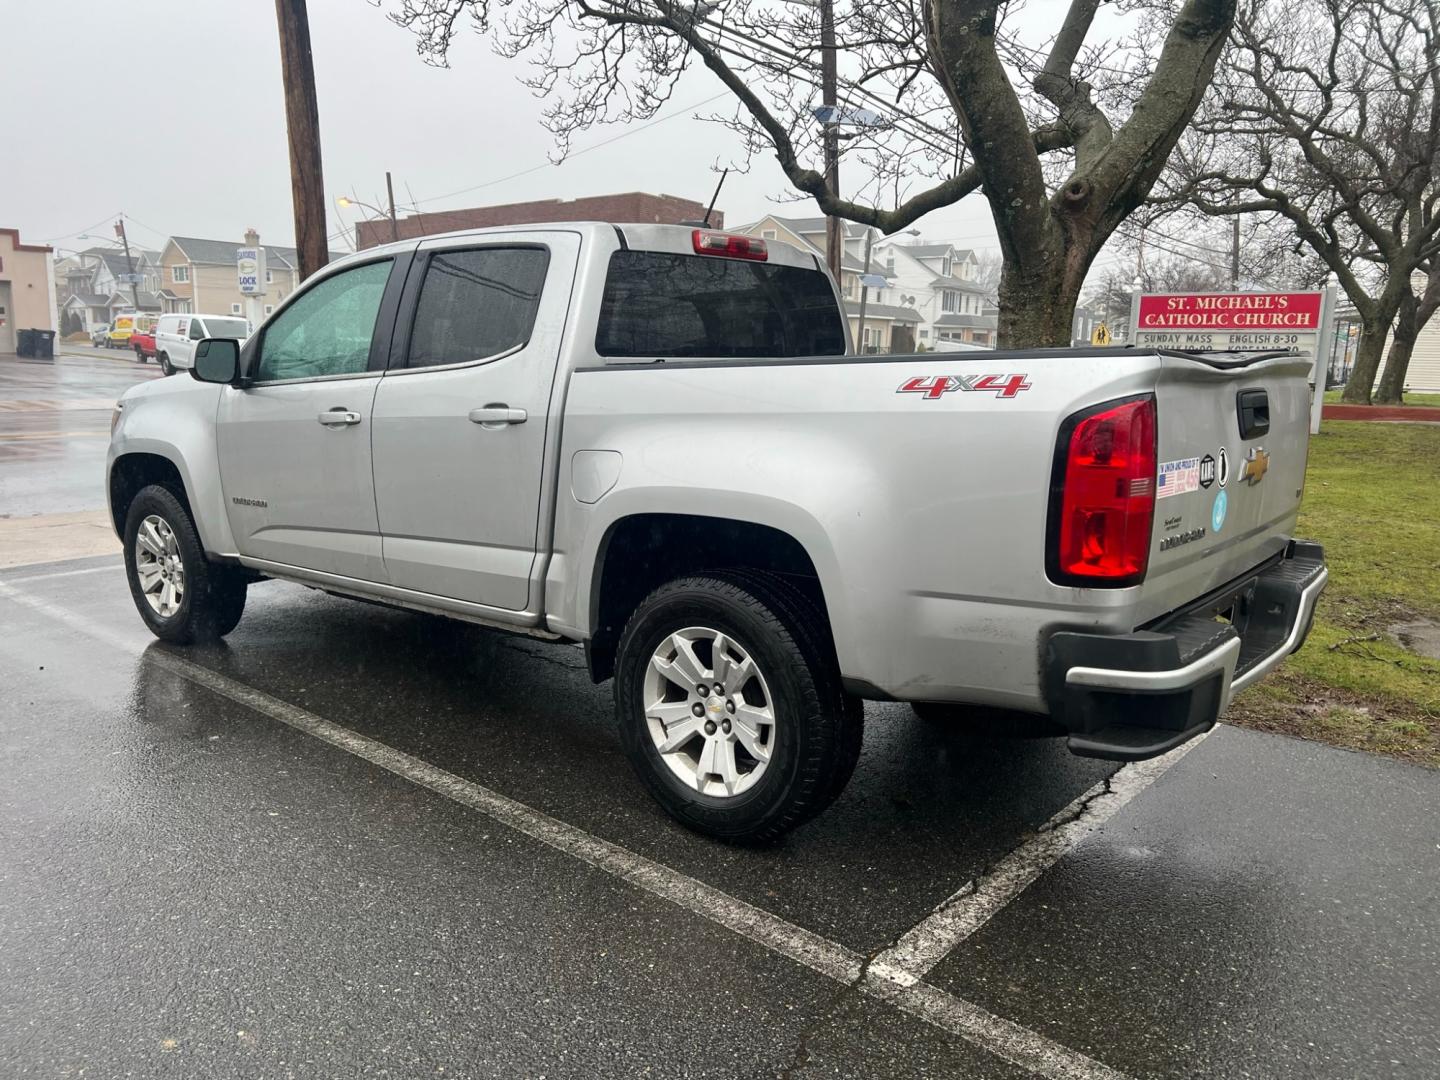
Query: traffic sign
[1100, 335]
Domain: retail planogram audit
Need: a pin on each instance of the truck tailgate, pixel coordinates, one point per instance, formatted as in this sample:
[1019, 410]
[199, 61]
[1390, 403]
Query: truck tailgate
[1232, 441]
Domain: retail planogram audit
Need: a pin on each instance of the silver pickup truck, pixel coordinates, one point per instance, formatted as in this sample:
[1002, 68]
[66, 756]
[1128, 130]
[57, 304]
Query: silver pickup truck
[656, 441]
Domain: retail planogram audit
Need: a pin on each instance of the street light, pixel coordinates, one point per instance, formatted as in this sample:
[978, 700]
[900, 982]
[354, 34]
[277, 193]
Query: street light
[345, 201]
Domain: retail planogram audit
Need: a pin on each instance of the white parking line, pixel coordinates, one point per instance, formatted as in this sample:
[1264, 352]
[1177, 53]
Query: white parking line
[977, 901]
[1003, 1038]
[66, 573]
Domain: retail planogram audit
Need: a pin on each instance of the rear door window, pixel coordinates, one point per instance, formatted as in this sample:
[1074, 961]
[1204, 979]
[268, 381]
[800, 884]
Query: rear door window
[476, 303]
[662, 304]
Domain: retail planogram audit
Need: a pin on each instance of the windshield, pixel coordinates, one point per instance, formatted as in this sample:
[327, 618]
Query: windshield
[234, 328]
[659, 304]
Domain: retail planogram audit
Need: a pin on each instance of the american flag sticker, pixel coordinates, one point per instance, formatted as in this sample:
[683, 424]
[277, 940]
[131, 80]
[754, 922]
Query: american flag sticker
[1177, 477]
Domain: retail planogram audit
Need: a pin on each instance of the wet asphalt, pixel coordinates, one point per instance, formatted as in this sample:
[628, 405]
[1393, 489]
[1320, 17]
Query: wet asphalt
[54, 427]
[189, 888]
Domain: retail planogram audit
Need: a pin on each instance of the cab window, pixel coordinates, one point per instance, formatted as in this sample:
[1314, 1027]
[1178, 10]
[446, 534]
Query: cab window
[476, 304]
[327, 330]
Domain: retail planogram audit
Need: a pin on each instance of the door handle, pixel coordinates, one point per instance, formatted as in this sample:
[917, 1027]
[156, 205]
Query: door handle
[497, 416]
[338, 417]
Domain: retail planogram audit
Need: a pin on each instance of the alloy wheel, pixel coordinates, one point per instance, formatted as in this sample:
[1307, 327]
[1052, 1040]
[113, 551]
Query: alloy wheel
[159, 567]
[709, 711]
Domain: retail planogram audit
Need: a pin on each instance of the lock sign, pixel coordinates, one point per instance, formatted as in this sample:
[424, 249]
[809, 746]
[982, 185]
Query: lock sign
[250, 270]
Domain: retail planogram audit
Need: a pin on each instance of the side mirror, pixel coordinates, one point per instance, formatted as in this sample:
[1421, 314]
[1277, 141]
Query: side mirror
[217, 360]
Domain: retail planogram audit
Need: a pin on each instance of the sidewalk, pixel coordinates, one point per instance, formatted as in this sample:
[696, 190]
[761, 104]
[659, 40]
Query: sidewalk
[52, 537]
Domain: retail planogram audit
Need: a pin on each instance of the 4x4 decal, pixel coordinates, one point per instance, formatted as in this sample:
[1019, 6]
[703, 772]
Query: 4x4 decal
[933, 386]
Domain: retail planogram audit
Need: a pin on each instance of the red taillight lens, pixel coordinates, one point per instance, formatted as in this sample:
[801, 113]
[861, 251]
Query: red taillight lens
[1103, 504]
[732, 247]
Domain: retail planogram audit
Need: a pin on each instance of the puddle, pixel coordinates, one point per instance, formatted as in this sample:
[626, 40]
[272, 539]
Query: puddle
[1422, 636]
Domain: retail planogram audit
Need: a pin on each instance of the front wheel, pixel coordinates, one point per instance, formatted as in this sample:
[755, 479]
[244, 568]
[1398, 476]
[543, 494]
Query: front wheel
[181, 596]
[165, 366]
[730, 706]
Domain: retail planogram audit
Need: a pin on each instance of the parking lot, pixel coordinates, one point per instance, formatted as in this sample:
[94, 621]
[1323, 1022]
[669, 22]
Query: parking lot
[359, 838]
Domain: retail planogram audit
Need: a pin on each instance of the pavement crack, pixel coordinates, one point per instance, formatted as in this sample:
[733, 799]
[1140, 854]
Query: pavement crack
[1079, 810]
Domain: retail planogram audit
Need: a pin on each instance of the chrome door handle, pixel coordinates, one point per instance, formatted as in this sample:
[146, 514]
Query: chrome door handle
[338, 418]
[497, 416]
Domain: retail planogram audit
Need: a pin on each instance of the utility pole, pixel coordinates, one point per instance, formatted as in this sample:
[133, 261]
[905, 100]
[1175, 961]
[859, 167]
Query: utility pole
[865, 289]
[834, 226]
[302, 118]
[129, 263]
[390, 191]
[1235, 252]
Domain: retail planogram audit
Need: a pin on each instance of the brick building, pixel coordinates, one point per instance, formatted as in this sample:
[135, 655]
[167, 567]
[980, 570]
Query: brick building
[633, 206]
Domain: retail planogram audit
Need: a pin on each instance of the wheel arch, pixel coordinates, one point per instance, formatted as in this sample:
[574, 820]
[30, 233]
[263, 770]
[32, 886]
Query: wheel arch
[641, 551]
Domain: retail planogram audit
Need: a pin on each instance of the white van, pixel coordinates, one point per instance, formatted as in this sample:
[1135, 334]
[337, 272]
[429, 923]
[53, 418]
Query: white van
[176, 335]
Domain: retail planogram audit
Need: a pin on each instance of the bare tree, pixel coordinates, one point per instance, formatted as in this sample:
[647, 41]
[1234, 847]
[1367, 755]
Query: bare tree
[966, 106]
[1326, 113]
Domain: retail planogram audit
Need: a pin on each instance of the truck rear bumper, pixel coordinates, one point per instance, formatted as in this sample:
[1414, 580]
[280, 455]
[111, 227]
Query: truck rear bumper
[1131, 696]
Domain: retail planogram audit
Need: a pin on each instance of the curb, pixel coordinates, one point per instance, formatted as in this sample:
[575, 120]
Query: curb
[1421, 413]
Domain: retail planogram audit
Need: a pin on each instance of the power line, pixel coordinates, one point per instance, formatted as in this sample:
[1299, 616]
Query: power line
[552, 164]
[86, 229]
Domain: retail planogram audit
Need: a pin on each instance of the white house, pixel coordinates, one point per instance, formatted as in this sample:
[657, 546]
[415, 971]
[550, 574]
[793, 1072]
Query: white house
[890, 325]
[91, 284]
[938, 281]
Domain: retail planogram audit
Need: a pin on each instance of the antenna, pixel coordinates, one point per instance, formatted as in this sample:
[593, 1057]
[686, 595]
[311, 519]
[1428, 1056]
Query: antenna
[711, 208]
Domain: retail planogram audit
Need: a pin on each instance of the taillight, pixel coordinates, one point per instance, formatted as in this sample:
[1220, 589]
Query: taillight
[729, 245]
[1102, 496]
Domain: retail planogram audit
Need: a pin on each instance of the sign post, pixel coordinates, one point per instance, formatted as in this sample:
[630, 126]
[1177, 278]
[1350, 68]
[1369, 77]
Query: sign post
[1251, 321]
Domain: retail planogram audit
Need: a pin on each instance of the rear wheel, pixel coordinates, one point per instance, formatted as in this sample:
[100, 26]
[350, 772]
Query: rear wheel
[181, 596]
[730, 706]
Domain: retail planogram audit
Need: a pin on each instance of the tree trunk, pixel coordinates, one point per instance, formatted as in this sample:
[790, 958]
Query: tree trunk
[1038, 308]
[1397, 360]
[1367, 361]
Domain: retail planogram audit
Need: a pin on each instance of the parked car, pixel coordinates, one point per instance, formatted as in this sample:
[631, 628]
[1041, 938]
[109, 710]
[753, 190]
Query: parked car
[100, 337]
[176, 336]
[142, 340]
[655, 441]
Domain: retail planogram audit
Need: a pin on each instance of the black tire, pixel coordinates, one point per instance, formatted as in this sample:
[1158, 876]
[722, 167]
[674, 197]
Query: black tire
[139, 356]
[165, 366]
[213, 597]
[818, 729]
[991, 723]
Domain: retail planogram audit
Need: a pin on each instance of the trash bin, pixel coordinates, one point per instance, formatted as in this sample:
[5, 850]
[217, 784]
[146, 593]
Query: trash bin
[44, 344]
[25, 343]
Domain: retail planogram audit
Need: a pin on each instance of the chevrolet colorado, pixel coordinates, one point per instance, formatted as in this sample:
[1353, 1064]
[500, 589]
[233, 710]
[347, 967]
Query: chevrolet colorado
[655, 440]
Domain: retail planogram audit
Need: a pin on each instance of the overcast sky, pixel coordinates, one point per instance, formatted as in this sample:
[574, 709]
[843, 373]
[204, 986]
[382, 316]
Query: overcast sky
[172, 111]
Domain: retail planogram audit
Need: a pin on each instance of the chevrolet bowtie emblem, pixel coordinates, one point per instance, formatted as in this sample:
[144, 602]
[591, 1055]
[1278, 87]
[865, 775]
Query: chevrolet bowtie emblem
[1257, 463]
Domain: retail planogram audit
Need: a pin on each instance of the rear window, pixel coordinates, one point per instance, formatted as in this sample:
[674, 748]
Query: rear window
[659, 304]
[228, 328]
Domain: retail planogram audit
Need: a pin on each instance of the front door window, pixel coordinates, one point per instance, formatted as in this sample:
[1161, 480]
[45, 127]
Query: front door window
[327, 331]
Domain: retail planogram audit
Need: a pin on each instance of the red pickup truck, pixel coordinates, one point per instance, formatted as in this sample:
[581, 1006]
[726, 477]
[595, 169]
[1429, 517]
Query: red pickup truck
[142, 340]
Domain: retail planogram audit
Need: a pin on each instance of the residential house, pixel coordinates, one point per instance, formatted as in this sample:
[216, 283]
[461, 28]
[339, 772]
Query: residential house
[939, 282]
[890, 322]
[199, 275]
[93, 284]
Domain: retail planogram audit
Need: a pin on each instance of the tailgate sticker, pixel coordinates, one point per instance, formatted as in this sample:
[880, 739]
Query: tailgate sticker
[1178, 477]
[1217, 515]
[1207, 470]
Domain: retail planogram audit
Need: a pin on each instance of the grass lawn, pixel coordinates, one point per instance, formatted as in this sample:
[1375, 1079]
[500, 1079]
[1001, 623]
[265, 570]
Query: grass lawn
[1332, 397]
[1372, 497]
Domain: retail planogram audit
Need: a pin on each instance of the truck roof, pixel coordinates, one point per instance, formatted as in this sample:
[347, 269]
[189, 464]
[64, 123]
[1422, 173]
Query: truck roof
[643, 236]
